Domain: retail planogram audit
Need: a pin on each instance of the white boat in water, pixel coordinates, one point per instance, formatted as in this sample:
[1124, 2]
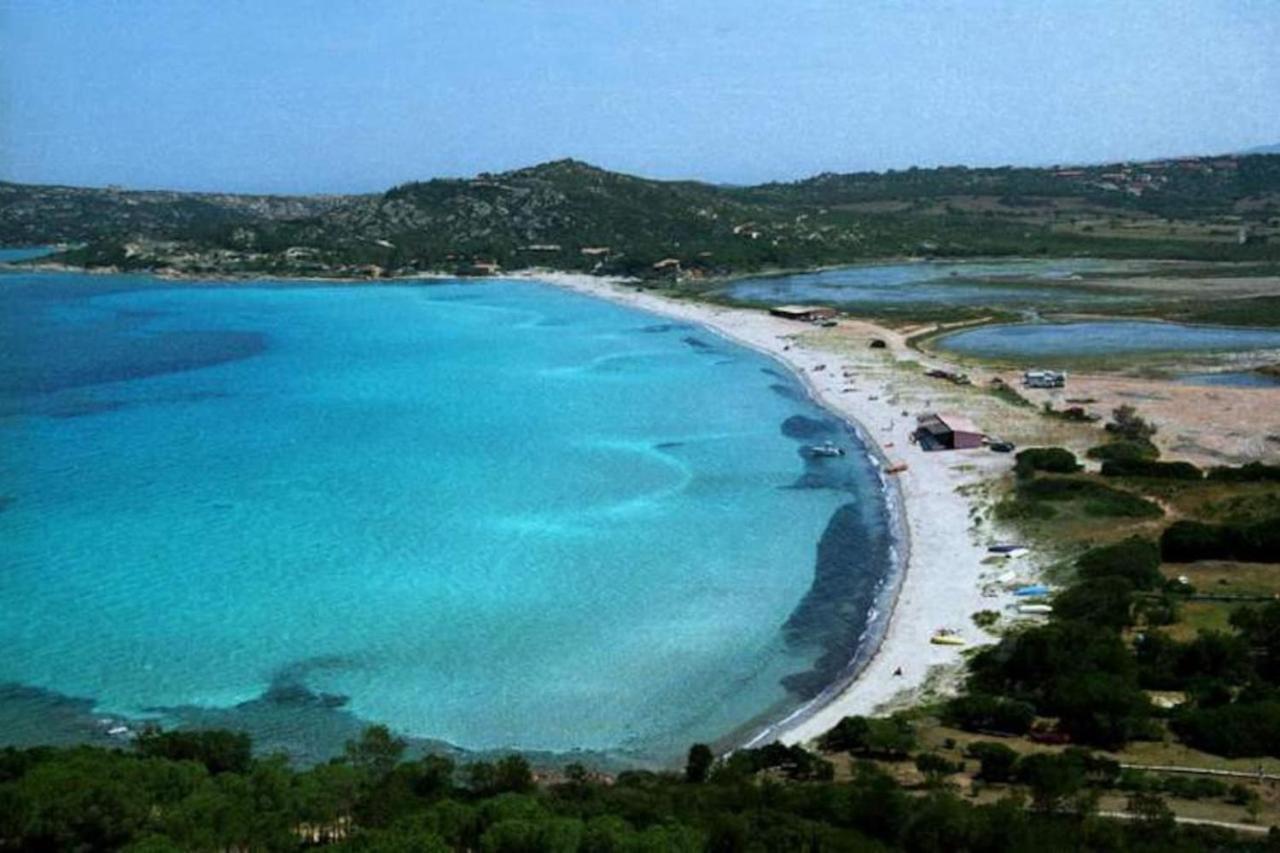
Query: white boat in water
[827, 448]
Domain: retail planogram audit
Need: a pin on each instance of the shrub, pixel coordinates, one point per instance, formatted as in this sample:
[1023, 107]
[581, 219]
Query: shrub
[1117, 504]
[931, 763]
[1099, 499]
[1145, 468]
[1238, 730]
[1254, 472]
[1125, 450]
[1126, 424]
[889, 737]
[1017, 509]
[1137, 560]
[978, 712]
[1055, 460]
[999, 762]
[986, 618]
[1188, 541]
[1107, 602]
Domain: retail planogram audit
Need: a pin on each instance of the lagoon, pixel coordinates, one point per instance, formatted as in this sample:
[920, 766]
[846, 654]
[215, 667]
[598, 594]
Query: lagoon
[1045, 342]
[1016, 281]
[493, 514]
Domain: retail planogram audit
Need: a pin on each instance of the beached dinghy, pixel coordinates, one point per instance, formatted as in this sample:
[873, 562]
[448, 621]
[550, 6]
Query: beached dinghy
[946, 637]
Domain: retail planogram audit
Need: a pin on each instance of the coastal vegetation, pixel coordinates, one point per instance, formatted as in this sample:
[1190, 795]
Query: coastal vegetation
[772, 799]
[1136, 658]
[572, 216]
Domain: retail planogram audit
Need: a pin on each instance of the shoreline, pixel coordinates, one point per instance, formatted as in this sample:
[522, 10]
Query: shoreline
[930, 521]
[931, 525]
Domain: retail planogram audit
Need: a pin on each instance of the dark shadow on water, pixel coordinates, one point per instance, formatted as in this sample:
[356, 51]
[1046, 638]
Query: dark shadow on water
[46, 366]
[698, 344]
[833, 615]
[788, 392]
[661, 328]
[805, 428]
[852, 562]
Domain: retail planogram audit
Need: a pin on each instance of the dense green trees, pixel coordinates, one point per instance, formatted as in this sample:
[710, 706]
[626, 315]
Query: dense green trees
[1186, 541]
[95, 799]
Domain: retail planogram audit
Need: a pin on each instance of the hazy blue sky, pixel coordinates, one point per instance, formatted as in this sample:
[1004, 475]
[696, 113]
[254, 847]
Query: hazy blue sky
[341, 96]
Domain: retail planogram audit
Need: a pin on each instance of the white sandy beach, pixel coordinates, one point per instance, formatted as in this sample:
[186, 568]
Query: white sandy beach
[945, 575]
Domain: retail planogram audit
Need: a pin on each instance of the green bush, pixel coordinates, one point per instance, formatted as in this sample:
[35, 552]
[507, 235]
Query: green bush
[1254, 472]
[1016, 509]
[1188, 541]
[1106, 602]
[1137, 560]
[977, 712]
[1054, 460]
[1098, 499]
[1149, 468]
[1125, 450]
[998, 762]
[931, 763]
[1238, 730]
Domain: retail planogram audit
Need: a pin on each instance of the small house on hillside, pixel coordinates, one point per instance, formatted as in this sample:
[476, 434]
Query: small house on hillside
[941, 431]
[807, 313]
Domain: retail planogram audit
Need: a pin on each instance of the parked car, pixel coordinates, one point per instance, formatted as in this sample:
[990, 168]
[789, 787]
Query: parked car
[1000, 446]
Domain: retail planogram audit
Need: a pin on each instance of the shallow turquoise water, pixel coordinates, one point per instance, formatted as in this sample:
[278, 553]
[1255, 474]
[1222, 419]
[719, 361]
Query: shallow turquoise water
[1119, 337]
[23, 253]
[963, 282]
[493, 514]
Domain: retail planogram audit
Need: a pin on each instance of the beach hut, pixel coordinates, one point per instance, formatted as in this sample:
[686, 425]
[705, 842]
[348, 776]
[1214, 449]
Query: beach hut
[943, 431]
[805, 313]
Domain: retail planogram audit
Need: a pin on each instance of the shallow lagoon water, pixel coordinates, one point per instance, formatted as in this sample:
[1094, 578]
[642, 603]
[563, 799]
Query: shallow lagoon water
[1232, 379]
[1046, 341]
[492, 514]
[962, 282]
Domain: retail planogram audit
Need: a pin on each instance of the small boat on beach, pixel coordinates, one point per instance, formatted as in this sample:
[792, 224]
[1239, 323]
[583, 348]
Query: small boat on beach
[1006, 549]
[946, 637]
[827, 448]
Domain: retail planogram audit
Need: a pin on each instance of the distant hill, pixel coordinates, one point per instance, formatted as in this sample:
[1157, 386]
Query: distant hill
[1264, 149]
[37, 214]
[570, 215]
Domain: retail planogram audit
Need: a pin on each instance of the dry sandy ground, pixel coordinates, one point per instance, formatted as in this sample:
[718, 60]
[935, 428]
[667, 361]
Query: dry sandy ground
[946, 580]
[1206, 425]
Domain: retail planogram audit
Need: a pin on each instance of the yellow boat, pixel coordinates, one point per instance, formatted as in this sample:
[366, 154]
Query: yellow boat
[946, 640]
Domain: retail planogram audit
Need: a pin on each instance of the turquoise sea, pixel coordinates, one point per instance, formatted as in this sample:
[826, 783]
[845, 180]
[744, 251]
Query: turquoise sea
[492, 514]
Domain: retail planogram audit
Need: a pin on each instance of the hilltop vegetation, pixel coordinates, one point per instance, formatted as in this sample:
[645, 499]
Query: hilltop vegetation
[573, 216]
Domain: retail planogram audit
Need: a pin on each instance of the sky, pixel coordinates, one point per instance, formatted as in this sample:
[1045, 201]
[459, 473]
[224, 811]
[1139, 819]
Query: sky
[333, 96]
